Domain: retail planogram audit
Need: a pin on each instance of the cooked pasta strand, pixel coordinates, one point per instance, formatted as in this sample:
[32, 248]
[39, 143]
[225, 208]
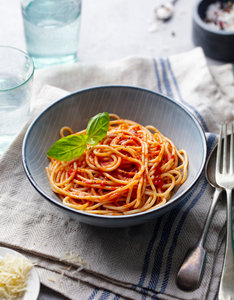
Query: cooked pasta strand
[133, 169]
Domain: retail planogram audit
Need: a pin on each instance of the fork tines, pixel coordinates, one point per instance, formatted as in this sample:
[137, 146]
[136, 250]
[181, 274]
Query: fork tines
[225, 140]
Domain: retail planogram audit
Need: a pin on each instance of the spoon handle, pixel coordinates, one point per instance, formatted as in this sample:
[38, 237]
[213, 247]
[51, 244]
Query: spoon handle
[191, 270]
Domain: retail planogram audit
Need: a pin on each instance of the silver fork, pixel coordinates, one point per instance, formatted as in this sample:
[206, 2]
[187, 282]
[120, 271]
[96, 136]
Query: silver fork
[224, 174]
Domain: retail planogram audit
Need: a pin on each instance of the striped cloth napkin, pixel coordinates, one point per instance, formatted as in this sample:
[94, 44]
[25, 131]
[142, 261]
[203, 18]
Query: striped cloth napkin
[141, 262]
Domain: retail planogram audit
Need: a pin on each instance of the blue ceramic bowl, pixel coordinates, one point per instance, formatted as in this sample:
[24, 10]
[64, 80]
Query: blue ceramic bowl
[140, 105]
[217, 44]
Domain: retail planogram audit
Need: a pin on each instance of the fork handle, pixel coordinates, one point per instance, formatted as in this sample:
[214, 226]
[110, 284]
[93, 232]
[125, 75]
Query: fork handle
[228, 265]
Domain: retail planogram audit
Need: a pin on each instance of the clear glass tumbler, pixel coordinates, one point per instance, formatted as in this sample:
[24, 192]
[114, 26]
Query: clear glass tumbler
[51, 30]
[16, 73]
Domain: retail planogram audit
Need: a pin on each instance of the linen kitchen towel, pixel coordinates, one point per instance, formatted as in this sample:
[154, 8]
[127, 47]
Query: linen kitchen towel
[140, 262]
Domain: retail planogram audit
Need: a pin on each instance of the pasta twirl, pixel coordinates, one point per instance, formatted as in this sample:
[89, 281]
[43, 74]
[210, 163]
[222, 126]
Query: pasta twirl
[133, 169]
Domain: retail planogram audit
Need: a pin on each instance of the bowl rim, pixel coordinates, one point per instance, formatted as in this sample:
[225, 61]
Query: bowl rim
[119, 217]
[197, 18]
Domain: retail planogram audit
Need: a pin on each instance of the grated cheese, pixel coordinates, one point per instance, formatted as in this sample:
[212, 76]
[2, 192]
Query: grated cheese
[74, 258]
[14, 271]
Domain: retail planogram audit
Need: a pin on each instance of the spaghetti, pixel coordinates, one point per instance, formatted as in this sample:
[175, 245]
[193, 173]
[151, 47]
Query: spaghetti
[133, 169]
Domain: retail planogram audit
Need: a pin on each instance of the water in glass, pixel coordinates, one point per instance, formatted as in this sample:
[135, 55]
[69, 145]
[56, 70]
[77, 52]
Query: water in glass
[52, 30]
[14, 108]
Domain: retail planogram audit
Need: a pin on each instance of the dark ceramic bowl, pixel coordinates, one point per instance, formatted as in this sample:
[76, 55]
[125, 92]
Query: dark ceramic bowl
[217, 44]
[140, 105]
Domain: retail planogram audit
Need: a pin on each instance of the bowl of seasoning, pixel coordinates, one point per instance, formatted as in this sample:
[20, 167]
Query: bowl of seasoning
[213, 28]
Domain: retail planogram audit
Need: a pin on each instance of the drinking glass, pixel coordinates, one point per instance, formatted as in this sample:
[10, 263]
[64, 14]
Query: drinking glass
[16, 73]
[51, 30]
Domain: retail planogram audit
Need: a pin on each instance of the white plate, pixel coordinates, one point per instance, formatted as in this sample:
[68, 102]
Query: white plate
[33, 284]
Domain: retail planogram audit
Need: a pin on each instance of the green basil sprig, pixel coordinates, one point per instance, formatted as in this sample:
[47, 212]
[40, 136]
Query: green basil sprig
[73, 146]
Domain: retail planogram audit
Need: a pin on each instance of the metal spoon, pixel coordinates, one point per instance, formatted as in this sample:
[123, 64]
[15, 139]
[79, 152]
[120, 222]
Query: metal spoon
[191, 271]
[165, 10]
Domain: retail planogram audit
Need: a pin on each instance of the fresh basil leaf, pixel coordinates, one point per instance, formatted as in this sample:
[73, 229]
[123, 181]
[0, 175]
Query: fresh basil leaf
[73, 146]
[68, 147]
[97, 128]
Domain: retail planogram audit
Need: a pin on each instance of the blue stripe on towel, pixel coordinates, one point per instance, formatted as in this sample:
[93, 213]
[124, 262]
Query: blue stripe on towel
[157, 75]
[165, 79]
[105, 295]
[165, 233]
[210, 142]
[94, 293]
[160, 249]
[163, 241]
[182, 100]
[176, 235]
[148, 252]
[157, 225]
[165, 236]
